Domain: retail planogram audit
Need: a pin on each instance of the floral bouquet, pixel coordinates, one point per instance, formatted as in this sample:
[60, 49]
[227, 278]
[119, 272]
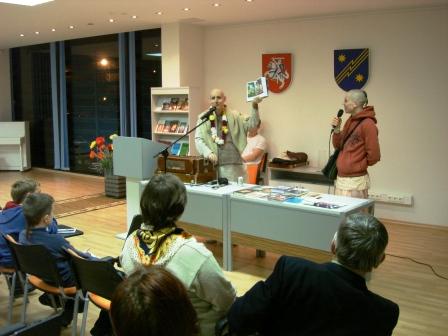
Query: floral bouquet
[102, 152]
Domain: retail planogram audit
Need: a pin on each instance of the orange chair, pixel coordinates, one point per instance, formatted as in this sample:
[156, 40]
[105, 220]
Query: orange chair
[255, 170]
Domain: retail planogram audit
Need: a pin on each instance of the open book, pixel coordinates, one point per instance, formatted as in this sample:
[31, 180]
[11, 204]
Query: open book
[257, 88]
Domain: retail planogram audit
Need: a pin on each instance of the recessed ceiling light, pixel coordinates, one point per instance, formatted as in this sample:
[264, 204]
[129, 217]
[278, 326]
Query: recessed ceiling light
[71, 27]
[37, 33]
[249, 0]
[104, 62]
[186, 9]
[53, 30]
[22, 35]
[216, 4]
[134, 16]
[158, 13]
[26, 2]
[111, 20]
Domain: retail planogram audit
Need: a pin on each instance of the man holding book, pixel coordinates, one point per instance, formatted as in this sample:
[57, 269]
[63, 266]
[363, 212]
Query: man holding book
[222, 138]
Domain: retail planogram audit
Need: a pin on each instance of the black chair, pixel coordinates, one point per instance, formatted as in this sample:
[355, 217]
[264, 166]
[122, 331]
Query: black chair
[39, 267]
[51, 326]
[96, 282]
[10, 275]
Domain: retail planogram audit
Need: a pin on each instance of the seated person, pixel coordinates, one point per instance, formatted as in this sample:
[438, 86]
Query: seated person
[160, 242]
[38, 212]
[12, 221]
[152, 301]
[253, 152]
[301, 297]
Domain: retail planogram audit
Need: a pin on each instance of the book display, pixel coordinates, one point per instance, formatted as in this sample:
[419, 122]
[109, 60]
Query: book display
[286, 194]
[173, 113]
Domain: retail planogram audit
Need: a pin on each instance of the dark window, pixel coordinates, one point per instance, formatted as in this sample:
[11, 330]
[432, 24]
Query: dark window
[31, 86]
[148, 63]
[92, 95]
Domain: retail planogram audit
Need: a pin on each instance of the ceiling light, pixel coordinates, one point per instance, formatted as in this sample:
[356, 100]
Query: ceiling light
[158, 13]
[37, 33]
[111, 20]
[53, 30]
[134, 16]
[26, 2]
[22, 35]
[249, 0]
[216, 4]
[71, 27]
[186, 9]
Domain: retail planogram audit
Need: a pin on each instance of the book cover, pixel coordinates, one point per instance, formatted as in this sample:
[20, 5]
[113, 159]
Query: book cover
[182, 129]
[167, 126]
[173, 126]
[165, 106]
[175, 149]
[183, 105]
[174, 103]
[160, 126]
[184, 149]
[256, 88]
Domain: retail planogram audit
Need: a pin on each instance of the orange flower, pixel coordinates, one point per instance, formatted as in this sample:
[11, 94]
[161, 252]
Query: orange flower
[100, 155]
[100, 140]
[110, 147]
[92, 154]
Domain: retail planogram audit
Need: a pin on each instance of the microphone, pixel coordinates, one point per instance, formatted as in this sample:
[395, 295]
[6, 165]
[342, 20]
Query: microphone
[340, 113]
[209, 112]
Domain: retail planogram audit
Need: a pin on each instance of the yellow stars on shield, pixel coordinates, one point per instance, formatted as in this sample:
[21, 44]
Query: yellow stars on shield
[359, 78]
[342, 58]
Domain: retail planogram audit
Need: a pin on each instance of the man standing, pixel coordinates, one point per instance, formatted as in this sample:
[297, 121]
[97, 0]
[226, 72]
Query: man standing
[222, 138]
[361, 148]
[304, 298]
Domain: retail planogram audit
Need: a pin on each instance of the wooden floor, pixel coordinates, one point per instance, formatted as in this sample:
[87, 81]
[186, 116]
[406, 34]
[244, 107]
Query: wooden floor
[422, 297]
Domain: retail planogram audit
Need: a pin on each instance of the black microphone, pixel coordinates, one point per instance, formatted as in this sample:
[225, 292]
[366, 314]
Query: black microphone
[340, 113]
[208, 113]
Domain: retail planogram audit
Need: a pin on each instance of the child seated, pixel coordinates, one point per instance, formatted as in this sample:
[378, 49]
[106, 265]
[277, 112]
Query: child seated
[38, 212]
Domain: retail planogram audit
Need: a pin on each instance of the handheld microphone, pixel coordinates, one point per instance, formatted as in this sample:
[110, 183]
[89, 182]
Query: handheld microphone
[340, 113]
[208, 113]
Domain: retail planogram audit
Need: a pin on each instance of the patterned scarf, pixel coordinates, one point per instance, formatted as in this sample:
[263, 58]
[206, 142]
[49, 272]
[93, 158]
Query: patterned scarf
[154, 245]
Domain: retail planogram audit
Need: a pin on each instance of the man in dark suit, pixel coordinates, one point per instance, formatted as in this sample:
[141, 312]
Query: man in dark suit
[301, 297]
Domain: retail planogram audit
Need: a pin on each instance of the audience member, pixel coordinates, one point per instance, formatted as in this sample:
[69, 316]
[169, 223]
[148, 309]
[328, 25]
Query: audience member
[301, 297]
[253, 152]
[152, 302]
[160, 242]
[38, 212]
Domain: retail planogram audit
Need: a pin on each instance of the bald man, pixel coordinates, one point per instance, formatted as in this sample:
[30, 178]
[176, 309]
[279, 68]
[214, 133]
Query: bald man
[223, 137]
[361, 149]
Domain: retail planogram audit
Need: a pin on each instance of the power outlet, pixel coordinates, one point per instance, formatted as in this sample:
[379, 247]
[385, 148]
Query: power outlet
[393, 198]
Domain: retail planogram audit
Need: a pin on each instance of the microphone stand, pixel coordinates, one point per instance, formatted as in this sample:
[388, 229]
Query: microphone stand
[164, 152]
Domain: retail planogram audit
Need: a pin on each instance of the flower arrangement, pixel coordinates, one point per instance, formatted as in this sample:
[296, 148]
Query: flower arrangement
[224, 128]
[102, 152]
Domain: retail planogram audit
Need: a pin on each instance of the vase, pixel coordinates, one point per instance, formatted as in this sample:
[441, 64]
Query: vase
[115, 186]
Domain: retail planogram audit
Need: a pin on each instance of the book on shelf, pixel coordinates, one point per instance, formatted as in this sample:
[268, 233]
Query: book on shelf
[256, 88]
[175, 149]
[183, 104]
[160, 126]
[182, 129]
[184, 149]
[165, 106]
[167, 126]
[174, 103]
[173, 126]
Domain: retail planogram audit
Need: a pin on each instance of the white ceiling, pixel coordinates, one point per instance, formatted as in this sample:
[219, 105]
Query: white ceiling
[91, 17]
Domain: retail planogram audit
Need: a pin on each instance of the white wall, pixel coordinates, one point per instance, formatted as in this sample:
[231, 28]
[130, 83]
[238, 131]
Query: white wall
[407, 85]
[5, 87]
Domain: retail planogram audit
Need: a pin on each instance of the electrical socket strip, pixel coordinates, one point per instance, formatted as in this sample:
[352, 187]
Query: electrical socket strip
[393, 198]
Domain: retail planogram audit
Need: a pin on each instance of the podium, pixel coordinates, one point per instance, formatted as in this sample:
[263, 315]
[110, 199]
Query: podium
[134, 159]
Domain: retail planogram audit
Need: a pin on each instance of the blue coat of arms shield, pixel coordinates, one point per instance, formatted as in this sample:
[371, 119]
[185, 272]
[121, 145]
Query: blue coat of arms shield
[351, 68]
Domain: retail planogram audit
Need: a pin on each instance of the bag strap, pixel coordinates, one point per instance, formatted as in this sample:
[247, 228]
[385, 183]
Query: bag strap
[347, 137]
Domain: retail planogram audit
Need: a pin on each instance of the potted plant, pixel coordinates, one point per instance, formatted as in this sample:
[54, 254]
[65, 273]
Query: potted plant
[101, 152]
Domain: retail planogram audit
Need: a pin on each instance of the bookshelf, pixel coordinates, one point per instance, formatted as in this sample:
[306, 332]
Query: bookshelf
[174, 112]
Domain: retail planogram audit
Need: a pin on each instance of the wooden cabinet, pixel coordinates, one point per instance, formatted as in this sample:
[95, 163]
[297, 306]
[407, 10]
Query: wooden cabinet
[174, 112]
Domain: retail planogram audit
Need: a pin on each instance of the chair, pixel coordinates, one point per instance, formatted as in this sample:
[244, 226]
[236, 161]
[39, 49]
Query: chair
[261, 169]
[11, 278]
[96, 282]
[51, 326]
[37, 263]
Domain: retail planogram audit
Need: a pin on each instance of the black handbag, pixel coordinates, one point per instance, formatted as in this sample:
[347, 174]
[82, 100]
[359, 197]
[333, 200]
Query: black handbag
[330, 170]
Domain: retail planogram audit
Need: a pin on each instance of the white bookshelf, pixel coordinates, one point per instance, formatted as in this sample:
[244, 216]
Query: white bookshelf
[164, 111]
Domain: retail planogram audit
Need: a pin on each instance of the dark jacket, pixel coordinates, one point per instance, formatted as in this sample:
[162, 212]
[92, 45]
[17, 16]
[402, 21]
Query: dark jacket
[12, 221]
[301, 297]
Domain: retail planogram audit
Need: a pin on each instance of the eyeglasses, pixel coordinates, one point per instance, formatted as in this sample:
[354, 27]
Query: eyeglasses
[215, 97]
